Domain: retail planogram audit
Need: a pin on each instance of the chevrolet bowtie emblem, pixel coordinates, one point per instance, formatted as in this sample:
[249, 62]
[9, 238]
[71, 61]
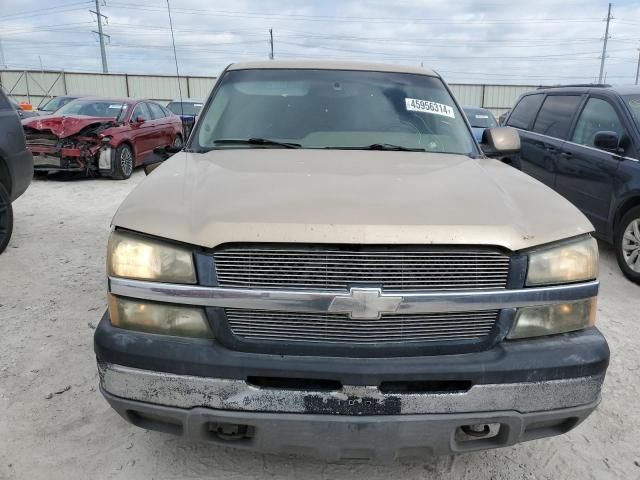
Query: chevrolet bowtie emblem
[365, 303]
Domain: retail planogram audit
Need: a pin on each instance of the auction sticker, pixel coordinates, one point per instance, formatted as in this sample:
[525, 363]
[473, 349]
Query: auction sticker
[426, 106]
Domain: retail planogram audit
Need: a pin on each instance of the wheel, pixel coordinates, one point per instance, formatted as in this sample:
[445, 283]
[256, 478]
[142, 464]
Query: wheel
[627, 244]
[6, 218]
[177, 143]
[123, 162]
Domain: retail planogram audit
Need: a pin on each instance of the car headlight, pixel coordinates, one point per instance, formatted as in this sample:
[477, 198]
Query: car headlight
[573, 261]
[160, 318]
[142, 258]
[553, 319]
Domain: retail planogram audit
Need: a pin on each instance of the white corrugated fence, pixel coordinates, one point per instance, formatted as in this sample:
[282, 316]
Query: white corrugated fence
[36, 87]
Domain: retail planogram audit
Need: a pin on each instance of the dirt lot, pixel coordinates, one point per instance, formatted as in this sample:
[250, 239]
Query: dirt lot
[55, 425]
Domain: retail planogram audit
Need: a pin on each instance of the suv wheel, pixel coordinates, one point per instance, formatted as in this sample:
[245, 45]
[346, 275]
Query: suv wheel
[628, 244]
[123, 162]
[6, 218]
[177, 143]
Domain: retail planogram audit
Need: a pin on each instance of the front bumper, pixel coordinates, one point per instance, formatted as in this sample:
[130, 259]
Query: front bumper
[524, 389]
[93, 158]
[333, 437]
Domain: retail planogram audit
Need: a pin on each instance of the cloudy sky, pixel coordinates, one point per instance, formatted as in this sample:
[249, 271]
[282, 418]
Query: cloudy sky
[483, 41]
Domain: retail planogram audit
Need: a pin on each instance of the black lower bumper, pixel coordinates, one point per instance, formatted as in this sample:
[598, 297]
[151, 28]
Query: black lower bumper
[380, 438]
[572, 355]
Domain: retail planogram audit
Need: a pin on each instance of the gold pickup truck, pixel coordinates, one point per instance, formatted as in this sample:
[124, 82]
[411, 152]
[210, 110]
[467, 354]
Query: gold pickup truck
[333, 266]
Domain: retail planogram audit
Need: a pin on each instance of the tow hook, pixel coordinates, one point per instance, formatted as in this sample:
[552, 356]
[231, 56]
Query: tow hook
[231, 431]
[477, 430]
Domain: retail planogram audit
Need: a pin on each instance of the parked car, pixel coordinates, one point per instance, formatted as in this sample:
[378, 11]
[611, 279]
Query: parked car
[15, 106]
[106, 136]
[16, 166]
[55, 103]
[333, 267]
[503, 117]
[188, 110]
[584, 141]
[480, 119]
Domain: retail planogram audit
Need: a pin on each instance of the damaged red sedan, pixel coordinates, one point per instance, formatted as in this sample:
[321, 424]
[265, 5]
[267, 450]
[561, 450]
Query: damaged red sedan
[101, 136]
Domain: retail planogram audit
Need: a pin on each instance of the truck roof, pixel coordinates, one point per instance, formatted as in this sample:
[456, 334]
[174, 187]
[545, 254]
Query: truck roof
[331, 65]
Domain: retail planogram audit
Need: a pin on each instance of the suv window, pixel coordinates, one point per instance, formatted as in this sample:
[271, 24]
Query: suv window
[598, 115]
[525, 111]
[156, 111]
[556, 114]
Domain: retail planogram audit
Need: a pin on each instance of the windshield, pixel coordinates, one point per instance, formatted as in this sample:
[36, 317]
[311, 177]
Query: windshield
[634, 105]
[333, 109]
[185, 108]
[55, 103]
[94, 108]
[480, 118]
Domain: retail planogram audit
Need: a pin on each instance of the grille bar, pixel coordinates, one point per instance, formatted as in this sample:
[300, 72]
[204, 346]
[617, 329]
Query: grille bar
[338, 328]
[337, 268]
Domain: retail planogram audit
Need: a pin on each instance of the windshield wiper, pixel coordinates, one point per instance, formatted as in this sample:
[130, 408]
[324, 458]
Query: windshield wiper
[255, 141]
[381, 146]
[390, 146]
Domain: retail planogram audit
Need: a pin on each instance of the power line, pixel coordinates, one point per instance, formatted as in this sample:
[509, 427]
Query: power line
[333, 18]
[45, 11]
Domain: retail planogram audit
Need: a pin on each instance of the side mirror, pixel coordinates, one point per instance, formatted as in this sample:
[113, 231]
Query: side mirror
[139, 120]
[607, 141]
[499, 141]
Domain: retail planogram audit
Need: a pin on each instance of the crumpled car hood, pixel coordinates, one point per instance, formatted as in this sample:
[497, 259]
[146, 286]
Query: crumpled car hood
[64, 126]
[339, 196]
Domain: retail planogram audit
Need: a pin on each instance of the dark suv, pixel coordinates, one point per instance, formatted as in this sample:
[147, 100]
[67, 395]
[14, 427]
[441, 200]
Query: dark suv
[584, 141]
[16, 166]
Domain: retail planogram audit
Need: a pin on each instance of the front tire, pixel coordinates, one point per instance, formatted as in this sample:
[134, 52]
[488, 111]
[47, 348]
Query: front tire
[6, 218]
[627, 245]
[178, 143]
[123, 162]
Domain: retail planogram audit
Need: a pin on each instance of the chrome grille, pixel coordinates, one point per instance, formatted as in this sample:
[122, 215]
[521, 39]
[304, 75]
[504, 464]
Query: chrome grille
[393, 269]
[337, 328]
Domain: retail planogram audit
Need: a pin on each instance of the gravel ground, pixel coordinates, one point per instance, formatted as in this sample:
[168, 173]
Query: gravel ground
[55, 425]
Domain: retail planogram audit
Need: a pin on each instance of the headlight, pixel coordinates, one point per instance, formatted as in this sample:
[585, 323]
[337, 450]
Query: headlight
[164, 319]
[573, 261]
[552, 319]
[141, 258]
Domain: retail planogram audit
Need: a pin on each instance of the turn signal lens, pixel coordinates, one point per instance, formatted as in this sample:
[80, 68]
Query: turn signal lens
[552, 319]
[163, 319]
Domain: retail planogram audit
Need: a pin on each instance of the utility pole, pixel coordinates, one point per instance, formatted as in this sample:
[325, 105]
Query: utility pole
[604, 47]
[101, 35]
[638, 67]
[271, 42]
[2, 64]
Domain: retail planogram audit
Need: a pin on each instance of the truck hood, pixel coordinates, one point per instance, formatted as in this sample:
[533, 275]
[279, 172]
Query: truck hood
[346, 196]
[63, 126]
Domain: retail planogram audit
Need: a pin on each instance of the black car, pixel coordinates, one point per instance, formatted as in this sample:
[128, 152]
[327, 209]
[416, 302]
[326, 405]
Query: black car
[584, 141]
[16, 166]
[188, 110]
